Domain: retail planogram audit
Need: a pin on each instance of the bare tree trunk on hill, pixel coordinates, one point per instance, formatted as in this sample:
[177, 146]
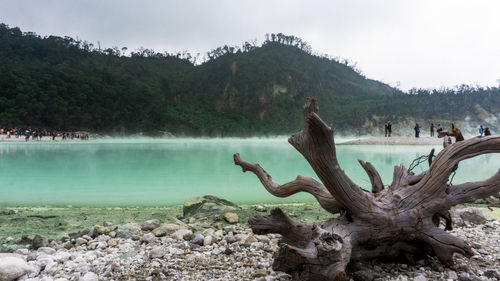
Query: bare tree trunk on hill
[400, 221]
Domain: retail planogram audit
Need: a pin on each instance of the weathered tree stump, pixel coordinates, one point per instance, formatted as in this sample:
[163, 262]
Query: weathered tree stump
[401, 221]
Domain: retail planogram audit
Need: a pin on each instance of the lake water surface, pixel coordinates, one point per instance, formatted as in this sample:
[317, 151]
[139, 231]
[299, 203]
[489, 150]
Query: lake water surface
[119, 172]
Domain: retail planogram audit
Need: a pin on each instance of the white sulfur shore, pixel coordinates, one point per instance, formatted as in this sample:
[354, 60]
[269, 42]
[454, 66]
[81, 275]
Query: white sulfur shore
[397, 140]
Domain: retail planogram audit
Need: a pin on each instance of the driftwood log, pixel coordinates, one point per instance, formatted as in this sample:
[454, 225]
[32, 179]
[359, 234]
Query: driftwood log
[401, 221]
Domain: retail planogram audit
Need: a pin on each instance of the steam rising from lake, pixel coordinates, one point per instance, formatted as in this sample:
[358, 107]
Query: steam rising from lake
[149, 171]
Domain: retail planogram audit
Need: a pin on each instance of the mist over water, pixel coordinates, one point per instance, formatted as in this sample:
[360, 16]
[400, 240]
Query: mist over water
[111, 172]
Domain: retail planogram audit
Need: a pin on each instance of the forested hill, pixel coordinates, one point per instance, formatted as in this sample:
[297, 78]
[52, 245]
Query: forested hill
[64, 84]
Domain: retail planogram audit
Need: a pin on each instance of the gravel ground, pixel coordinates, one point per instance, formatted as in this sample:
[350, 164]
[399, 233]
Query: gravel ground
[203, 251]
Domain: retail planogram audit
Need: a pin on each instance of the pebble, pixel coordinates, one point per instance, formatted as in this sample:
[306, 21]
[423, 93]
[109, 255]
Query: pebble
[157, 252]
[198, 239]
[148, 238]
[207, 241]
[420, 277]
[113, 242]
[80, 241]
[150, 225]
[179, 234]
[165, 229]
[260, 208]
[231, 218]
[123, 233]
[90, 276]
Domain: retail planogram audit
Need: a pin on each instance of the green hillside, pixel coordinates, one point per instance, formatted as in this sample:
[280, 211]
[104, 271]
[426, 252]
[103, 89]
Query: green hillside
[64, 84]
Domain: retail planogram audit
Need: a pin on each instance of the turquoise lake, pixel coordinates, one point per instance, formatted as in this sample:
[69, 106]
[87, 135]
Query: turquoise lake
[135, 172]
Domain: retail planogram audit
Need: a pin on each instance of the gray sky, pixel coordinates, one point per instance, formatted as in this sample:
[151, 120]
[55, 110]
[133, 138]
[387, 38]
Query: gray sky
[422, 43]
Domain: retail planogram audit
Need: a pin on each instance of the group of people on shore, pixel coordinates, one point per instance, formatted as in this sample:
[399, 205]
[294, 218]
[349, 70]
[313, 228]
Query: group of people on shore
[438, 129]
[484, 131]
[37, 134]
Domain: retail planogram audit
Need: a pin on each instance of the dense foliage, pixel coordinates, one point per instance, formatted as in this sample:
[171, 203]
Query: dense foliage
[64, 84]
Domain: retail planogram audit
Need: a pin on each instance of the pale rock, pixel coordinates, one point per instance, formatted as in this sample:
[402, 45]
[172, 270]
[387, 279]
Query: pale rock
[157, 252]
[263, 238]
[249, 239]
[207, 241]
[218, 234]
[62, 256]
[103, 238]
[51, 268]
[113, 242]
[22, 251]
[230, 238]
[241, 237]
[80, 241]
[150, 225]
[179, 234]
[261, 272]
[452, 274]
[89, 276]
[43, 260]
[86, 237]
[148, 238]
[420, 277]
[46, 250]
[463, 216]
[257, 245]
[132, 227]
[165, 229]
[12, 267]
[260, 208]
[208, 232]
[402, 278]
[101, 229]
[231, 218]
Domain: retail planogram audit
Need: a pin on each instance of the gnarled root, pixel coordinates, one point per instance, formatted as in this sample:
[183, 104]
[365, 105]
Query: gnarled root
[307, 252]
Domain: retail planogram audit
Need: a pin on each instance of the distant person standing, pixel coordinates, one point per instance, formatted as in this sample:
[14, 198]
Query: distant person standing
[417, 130]
[389, 128]
[487, 132]
[452, 126]
[432, 129]
[385, 129]
[27, 135]
[439, 129]
[481, 130]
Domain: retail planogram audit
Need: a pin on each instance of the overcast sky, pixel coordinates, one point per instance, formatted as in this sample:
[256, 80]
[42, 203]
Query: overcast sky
[422, 43]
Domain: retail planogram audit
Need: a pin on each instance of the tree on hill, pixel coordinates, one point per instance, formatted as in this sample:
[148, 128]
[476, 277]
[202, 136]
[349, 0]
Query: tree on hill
[68, 84]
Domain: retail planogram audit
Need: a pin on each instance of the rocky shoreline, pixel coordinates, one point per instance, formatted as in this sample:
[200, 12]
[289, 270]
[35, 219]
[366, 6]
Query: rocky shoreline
[218, 247]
